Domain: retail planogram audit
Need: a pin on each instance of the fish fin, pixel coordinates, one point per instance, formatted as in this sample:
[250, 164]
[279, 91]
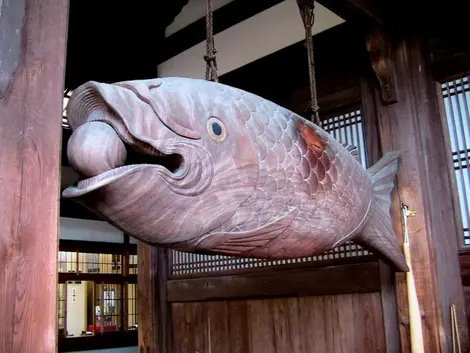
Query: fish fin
[239, 243]
[353, 150]
[378, 234]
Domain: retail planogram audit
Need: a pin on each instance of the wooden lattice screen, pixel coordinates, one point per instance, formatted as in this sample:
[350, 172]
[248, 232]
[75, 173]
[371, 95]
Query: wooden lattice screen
[456, 94]
[347, 127]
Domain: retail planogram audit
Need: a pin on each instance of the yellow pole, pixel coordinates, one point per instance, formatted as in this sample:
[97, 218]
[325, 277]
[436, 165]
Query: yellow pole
[416, 329]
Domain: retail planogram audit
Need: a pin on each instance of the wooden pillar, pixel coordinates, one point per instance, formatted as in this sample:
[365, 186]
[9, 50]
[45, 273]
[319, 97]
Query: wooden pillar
[32, 59]
[408, 117]
[154, 309]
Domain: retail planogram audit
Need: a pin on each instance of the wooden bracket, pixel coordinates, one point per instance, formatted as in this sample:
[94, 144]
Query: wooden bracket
[379, 50]
[11, 31]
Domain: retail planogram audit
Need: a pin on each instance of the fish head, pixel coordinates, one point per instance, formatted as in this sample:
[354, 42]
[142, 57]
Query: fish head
[165, 160]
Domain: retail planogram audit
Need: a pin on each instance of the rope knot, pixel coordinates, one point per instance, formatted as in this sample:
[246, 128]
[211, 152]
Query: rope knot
[210, 57]
[211, 63]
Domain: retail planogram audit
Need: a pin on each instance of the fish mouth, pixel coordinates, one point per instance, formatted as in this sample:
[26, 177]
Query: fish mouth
[109, 143]
[137, 158]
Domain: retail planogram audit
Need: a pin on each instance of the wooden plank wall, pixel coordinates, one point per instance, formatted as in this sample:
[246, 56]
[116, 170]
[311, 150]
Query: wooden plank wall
[314, 324]
[30, 140]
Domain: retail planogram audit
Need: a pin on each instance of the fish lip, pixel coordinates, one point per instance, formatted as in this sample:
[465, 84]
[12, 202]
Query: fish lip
[86, 186]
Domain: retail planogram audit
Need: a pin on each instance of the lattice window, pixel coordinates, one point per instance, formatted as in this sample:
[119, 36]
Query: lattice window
[456, 95]
[62, 308]
[92, 263]
[100, 263]
[133, 265]
[133, 316]
[345, 126]
[67, 261]
[108, 307]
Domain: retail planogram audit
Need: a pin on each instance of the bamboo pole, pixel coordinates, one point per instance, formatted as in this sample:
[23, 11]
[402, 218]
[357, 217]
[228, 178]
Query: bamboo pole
[416, 329]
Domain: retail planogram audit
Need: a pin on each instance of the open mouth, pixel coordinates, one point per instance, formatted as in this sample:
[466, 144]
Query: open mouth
[171, 162]
[100, 155]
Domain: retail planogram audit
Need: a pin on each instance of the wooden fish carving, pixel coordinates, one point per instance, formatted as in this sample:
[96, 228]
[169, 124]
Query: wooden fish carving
[223, 171]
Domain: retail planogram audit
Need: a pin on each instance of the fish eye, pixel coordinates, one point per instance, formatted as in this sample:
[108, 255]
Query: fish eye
[216, 129]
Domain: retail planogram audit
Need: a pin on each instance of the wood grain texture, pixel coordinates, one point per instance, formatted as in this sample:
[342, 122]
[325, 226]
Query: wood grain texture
[147, 300]
[349, 323]
[387, 276]
[357, 278]
[30, 140]
[382, 64]
[424, 185]
[152, 304]
[248, 177]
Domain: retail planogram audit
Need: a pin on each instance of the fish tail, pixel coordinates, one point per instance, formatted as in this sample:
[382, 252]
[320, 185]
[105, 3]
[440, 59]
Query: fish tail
[378, 234]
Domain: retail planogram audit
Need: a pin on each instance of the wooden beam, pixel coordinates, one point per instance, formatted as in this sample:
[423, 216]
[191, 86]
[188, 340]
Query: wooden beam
[147, 303]
[360, 11]
[224, 17]
[96, 277]
[154, 310]
[107, 342]
[164, 307]
[359, 278]
[387, 275]
[413, 126]
[30, 140]
[450, 53]
[382, 64]
[97, 247]
[342, 98]
[72, 209]
[464, 260]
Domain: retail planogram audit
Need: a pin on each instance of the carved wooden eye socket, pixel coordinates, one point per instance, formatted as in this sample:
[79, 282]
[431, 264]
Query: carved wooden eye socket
[216, 129]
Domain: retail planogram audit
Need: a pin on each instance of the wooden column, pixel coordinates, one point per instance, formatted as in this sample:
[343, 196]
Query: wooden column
[412, 124]
[30, 142]
[153, 307]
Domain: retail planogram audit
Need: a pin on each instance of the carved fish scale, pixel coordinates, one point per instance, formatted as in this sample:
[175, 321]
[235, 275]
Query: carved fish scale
[303, 173]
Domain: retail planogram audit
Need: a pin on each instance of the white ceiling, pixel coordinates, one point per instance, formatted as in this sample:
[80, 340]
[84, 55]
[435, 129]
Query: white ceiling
[193, 11]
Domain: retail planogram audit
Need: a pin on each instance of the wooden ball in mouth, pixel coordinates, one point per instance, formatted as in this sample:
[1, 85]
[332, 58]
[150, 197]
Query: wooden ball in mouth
[95, 148]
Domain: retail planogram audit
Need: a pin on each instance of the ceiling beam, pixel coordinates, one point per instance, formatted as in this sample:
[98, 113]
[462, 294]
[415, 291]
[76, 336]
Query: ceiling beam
[250, 40]
[375, 12]
[224, 18]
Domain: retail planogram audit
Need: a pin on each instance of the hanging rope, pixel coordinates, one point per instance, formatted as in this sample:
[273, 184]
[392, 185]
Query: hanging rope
[306, 8]
[210, 57]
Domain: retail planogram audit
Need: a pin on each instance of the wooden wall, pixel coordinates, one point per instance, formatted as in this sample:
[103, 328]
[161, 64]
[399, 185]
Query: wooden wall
[315, 324]
[323, 309]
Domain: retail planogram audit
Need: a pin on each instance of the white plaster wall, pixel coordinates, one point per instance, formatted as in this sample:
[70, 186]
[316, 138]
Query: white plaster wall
[249, 40]
[89, 230]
